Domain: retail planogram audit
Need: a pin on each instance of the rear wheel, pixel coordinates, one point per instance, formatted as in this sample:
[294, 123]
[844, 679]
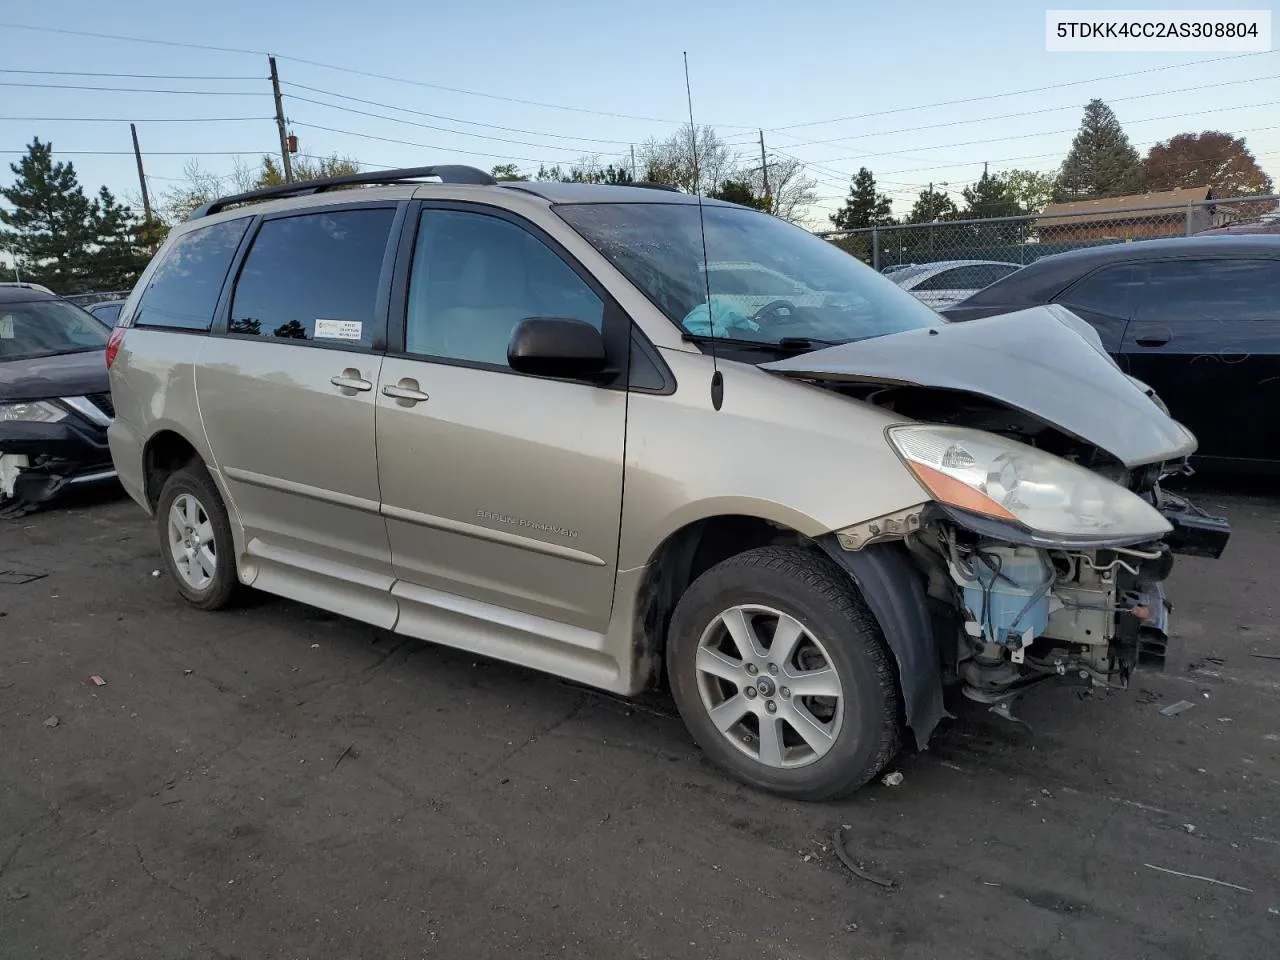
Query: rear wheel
[781, 674]
[195, 539]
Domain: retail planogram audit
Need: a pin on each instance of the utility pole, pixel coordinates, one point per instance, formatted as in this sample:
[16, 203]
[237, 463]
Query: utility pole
[142, 177]
[764, 170]
[284, 134]
[633, 162]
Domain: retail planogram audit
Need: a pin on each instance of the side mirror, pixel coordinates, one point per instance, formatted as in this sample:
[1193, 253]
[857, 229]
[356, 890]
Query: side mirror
[555, 347]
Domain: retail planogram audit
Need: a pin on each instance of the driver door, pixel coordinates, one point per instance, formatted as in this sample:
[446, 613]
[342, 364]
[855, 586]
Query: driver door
[499, 488]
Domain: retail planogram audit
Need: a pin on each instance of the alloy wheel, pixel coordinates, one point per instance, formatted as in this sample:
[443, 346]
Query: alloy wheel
[769, 686]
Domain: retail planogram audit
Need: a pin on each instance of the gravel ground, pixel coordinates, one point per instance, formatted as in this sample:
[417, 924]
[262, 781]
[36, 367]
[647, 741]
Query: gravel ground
[277, 782]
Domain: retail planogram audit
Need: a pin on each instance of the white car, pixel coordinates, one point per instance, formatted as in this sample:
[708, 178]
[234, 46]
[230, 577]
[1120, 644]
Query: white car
[949, 281]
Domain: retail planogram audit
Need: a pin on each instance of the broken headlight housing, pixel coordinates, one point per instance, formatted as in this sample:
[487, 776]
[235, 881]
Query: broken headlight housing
[31, 411]
[1003, 480]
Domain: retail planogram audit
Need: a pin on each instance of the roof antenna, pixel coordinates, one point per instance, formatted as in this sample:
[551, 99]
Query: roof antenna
[717, 378]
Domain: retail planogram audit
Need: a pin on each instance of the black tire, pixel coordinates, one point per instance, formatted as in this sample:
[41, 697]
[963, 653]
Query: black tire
[812, 589]
[225, 587]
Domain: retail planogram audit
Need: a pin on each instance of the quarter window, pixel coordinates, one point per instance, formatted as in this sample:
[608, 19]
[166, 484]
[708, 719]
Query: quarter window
[1111, 291]
[314, 278]
[183, 291]
[475, 277]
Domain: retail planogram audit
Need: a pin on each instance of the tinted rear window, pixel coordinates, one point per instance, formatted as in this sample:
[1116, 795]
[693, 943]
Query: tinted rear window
[314, 277]
[1178, 291]
[183, 291]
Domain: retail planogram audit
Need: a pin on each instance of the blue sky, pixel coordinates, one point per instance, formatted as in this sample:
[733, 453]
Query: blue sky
[752, 64]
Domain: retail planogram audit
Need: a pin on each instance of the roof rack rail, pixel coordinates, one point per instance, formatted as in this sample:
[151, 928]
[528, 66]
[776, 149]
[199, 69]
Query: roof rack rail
[651, 185]
[448, 173]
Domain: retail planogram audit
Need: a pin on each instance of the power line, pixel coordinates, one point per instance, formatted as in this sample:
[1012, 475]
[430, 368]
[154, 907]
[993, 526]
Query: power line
[424, 146]
[130, 76]
[150, 153]
[429, 126]
[1049, 133]
[134, 119]
[1041, 156]
[195, 93]
[350, 70]
[1017, 93]
[1023, 113]
[436, 116]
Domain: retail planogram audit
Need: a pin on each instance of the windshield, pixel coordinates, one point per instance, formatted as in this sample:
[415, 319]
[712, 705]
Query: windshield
[46, 328]
[800, 286]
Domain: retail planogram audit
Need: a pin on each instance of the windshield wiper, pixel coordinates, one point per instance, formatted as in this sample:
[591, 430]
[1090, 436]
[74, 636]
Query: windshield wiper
[785, 344]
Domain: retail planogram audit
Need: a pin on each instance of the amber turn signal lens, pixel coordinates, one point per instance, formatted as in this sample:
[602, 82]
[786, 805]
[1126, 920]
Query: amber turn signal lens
[951, 491]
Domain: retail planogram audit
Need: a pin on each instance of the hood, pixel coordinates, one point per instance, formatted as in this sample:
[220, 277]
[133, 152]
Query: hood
[65, 375]
[1044, 361]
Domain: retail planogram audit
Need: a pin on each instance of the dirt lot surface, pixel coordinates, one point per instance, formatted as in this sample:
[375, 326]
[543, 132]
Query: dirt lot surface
[280, 783]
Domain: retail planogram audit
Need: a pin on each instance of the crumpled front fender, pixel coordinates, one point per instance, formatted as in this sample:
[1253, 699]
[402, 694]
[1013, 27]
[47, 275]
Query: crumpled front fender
[892, 588]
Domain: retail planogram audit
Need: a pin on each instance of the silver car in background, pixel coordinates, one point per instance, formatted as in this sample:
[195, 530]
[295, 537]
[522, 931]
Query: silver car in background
[948, 281]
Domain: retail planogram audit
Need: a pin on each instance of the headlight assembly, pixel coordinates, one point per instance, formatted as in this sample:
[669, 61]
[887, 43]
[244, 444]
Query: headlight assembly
[986, 474]
[31, 411]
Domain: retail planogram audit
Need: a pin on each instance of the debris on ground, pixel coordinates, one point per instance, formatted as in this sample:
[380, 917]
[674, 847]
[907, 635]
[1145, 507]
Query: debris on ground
[51, 722]
[187, 673]
[892, 779]
[1173, 709]
[1266, 656]
[837, 840]
[97, 681]
[1189, 827]
[19, 894]
[155, 573]
[1192, 876]
[315, 646]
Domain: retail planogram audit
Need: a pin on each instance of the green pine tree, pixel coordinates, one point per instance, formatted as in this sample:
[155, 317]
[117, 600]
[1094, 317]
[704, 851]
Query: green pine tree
[1102, 162]
[932, 205]
[864, 207]
[51, 228]
[120, 251]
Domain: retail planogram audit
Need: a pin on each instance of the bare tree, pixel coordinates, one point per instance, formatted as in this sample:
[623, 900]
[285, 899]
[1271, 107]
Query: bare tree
[198, 188]
[791, 193]
[672, 160]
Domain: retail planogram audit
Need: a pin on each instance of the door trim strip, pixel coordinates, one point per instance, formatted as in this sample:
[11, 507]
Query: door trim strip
[493, 536]
[301, 489]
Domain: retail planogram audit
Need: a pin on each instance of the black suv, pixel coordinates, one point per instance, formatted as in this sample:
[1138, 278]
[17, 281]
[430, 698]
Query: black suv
[55, 402]
[1195, 318]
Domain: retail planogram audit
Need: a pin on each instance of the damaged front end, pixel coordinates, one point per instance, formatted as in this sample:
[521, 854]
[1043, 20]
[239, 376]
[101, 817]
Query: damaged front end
[1045, 536]
[49, 445]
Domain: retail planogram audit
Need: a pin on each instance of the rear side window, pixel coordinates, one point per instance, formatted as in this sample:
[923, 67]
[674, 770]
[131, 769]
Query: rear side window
[313, 277]
[1178, 291]
[184, 288]
[1111, 291]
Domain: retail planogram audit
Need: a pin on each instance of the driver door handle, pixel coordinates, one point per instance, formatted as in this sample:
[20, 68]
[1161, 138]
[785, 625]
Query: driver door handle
[406, 391]
[1156, 340]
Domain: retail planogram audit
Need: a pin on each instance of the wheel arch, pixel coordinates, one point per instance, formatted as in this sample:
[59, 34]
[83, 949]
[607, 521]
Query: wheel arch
[680, 558]
[167, 449]
[887, 578]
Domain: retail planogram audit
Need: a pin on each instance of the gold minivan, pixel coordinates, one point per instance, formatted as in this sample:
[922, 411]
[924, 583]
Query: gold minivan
[611, 432]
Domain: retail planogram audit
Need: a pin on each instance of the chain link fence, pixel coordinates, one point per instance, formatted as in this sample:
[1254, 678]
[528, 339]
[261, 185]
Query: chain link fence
[1021, 240]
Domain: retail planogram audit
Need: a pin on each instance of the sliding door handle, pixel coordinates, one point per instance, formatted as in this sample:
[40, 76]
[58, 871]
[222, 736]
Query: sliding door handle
[406, 391]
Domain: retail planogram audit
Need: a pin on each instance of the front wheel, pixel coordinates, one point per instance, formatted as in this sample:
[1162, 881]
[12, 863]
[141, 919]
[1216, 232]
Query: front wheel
[782, 676]
[195, 539]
